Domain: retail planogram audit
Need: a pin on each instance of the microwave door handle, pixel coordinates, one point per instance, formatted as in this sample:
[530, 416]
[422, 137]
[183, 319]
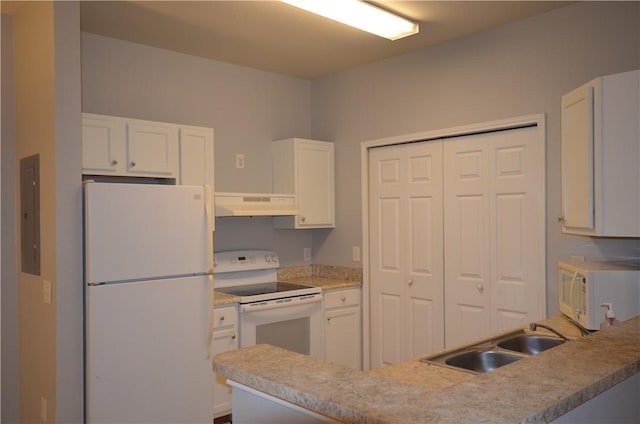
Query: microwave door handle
[572, 297]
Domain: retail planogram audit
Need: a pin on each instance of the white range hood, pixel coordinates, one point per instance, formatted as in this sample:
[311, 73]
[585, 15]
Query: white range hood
[254, 204]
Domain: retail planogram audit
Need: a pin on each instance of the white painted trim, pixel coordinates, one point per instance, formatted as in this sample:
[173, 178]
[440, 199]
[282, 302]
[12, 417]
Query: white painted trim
[538, 120]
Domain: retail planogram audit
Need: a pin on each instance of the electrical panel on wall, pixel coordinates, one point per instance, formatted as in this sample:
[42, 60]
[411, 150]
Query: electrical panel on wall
[30, 214]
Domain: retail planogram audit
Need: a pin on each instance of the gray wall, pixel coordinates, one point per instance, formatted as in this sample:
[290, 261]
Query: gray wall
[513, 70]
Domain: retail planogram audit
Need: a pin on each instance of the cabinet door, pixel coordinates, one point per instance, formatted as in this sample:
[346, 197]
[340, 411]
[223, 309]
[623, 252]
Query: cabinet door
[577, 142]
[342, 336]
[103, 139]
[152, 149]
[315, 183]
[196, 157]
[406, 269]
[224, 340]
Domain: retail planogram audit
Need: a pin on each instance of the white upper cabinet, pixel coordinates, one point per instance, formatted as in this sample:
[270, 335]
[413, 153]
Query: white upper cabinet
[152, 149]
[305, 168]
[196, 156]
[601, 157]
[103, 145]
[113, 145]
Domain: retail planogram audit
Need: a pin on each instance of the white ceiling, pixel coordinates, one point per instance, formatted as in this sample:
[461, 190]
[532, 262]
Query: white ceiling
[277, 37]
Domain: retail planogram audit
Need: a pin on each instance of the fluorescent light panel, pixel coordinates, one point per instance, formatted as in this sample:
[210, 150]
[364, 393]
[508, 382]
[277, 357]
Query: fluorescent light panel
[360, 15]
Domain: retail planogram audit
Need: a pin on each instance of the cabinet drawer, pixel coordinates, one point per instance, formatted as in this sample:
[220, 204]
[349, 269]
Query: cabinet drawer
[224, 317]
[340, 298]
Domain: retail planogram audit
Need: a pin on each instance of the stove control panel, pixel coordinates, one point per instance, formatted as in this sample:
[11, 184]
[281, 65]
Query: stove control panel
[244, 260]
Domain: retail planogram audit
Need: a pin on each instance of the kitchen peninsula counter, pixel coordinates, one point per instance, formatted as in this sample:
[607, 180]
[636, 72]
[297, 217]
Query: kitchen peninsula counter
[536, 389]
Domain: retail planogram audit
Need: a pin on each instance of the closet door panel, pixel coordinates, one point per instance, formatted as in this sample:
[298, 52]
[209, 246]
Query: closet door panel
[406, 251]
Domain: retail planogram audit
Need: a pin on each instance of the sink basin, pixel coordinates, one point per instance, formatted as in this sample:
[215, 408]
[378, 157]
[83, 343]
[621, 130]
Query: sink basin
[495, 352]
[530, 343]
[482, 360]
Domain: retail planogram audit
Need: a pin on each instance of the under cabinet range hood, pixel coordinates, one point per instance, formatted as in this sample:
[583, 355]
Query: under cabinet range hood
[254, 204]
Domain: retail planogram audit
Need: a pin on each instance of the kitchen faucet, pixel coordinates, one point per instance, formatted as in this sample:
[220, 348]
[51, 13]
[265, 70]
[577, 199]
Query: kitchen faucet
[533, 326]
[583, 331]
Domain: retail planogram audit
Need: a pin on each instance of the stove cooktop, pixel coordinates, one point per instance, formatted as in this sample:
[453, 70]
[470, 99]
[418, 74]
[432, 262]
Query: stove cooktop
[264, 291]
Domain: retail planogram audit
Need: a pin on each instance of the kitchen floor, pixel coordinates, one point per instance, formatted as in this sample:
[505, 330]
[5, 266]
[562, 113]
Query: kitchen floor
[225, 419]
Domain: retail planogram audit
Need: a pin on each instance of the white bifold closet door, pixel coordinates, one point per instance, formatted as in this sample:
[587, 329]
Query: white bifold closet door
[456, 240]
[493, 278]
[406, 268]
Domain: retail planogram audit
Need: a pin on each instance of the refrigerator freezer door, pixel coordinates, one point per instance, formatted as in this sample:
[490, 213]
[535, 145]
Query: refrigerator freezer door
[147, 352]
[135, 231]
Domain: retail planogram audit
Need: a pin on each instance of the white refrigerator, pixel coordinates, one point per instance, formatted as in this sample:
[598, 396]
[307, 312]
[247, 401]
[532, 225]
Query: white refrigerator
[148, 303]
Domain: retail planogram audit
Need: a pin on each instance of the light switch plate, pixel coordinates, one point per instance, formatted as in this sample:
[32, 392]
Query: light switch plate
[355, 254]
[239, 160]
[43, 409]
[46, 291]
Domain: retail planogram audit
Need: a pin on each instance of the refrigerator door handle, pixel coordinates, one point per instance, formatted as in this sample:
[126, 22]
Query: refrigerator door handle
[209, 217]
[211, 319]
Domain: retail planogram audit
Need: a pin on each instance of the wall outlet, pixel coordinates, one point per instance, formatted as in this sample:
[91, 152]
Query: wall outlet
[239, 160]
[43, 409]
[307, 253]
[46, 291]
[355, 253]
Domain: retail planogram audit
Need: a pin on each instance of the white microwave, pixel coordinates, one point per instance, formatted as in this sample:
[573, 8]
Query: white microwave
[584, 286]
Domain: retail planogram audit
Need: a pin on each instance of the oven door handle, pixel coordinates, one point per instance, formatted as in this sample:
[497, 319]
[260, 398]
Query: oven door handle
[295, 301]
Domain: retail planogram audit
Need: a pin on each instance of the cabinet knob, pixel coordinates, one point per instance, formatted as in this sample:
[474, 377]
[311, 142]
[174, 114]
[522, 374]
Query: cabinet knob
[561, 219]
[343, 298]
[222, 318]
[233, 337]
[329, 319]
[480, 288]
[410, 282]
[132, 164]
[302, 219]
[114, 162]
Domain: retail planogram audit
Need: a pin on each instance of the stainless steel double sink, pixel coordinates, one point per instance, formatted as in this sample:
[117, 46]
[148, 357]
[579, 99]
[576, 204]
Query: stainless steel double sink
[489, 354]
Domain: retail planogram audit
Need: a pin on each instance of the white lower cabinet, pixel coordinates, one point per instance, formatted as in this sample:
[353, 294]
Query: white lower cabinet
[225, 338]
[343, 327]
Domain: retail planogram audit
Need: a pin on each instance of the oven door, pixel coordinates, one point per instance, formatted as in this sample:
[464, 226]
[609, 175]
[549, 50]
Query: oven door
[295, 326]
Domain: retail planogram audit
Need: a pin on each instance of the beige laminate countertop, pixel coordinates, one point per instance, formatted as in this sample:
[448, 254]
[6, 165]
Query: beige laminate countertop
[537, 389]
[325, 283]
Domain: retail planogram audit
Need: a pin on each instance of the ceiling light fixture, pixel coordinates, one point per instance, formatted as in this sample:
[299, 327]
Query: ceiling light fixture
[360, 15]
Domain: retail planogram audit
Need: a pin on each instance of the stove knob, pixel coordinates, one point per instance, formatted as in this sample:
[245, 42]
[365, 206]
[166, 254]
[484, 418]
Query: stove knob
[274, 258]
[267, 258]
